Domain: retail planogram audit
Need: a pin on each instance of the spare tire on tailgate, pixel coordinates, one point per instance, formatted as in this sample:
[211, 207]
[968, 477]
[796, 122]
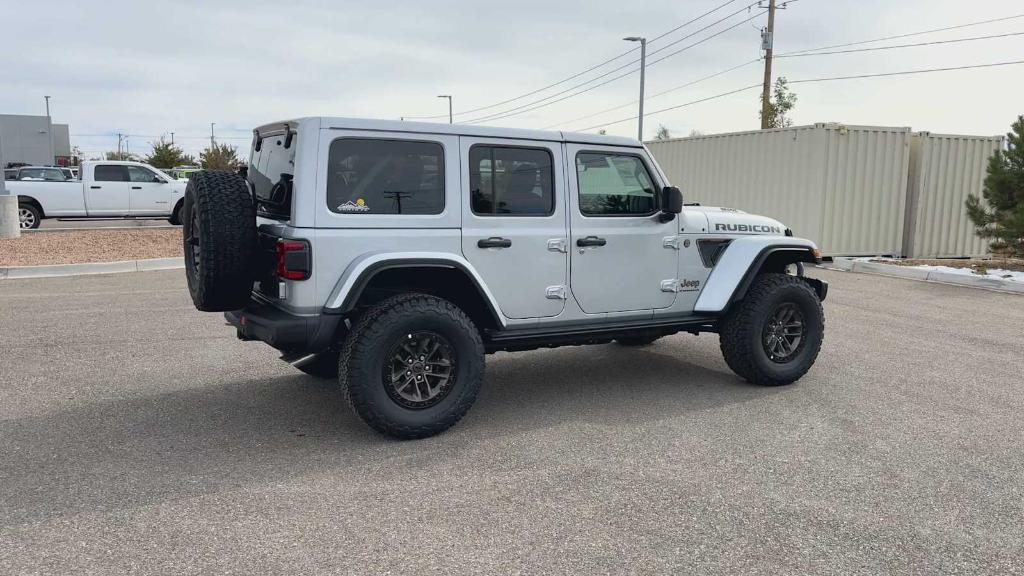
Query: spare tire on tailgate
[220, 242]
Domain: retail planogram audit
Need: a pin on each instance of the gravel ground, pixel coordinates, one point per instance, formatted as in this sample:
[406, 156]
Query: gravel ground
[140, 436]
[97, 245]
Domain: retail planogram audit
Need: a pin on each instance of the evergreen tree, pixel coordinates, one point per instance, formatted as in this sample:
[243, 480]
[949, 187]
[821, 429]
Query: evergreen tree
[219, 157]
[167, 155]
[1001, 215]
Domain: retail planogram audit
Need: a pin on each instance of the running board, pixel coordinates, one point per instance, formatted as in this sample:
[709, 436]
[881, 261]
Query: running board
[528, 339]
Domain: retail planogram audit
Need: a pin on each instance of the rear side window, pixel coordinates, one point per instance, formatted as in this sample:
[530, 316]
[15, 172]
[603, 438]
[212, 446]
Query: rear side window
[111, 173]
[511, 181]
[369, 176]
[614, 185]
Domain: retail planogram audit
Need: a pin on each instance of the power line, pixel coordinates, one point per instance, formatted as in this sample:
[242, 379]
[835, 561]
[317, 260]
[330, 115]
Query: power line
[808, 80]
[950, 41]
[662, 93]
[722, 95]
[903, 35]
[524, 108]
[905, 72]
[591, 69]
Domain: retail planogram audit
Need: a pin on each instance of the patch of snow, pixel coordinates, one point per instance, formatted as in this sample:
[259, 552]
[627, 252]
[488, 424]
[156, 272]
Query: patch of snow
[997, 273]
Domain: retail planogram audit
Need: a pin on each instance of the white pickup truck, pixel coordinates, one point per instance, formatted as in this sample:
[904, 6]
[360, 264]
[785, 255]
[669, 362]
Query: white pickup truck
[106, 189]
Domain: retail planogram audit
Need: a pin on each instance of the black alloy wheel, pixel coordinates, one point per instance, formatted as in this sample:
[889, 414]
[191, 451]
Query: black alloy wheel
[783, 333]
[421, 369]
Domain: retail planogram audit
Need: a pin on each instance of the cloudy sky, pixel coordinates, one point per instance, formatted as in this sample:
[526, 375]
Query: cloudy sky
[150, 68]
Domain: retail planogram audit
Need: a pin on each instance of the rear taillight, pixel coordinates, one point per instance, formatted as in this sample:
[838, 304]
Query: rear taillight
[294, 261]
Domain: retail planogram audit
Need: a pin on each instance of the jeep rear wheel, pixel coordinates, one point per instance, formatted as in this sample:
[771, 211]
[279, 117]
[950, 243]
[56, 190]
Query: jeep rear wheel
[412, 366]
[219, 240]
[772, 337]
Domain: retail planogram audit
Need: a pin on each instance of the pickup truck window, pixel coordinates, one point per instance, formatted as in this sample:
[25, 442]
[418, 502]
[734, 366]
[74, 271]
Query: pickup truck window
[111, 173]
[140, 174]
[48, 174]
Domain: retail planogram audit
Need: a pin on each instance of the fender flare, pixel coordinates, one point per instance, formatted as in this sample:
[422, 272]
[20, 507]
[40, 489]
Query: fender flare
[359, 273]
[739, 265]
[23, 199]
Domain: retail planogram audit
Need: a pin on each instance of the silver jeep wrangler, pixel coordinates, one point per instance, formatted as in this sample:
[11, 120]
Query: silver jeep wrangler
[394, 255]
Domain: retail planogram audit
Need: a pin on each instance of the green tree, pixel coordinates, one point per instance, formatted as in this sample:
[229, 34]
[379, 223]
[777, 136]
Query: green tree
[662, 133]
[783, 101]
[219, 157]
[1001, 215]
[168, 155]
[125, 156]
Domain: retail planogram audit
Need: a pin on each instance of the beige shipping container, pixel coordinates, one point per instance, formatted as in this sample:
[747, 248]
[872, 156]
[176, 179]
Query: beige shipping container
[844, 187]
[945, 169]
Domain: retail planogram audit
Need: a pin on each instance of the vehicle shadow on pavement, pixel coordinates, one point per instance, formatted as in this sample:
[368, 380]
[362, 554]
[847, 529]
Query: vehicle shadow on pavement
[127, 453]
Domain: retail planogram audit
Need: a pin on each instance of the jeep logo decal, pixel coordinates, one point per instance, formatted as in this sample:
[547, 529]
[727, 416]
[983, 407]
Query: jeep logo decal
[748, 228]
[688, 285]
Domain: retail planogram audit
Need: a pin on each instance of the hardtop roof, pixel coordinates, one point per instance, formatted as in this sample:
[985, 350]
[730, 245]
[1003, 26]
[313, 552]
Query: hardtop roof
[476, 130]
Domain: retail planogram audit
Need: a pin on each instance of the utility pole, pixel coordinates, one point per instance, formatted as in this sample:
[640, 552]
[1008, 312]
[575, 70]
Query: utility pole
[451, 117]
[118, 145]
[172, 138]
[213, 143]
[643, 72]
[49, 131]
[767, 43]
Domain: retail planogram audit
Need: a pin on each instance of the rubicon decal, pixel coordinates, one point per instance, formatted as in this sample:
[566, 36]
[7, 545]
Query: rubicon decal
[763, 228]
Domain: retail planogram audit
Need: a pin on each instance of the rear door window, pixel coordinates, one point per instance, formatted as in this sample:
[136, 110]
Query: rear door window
[511, 181]
[111, 173]
[370, 176]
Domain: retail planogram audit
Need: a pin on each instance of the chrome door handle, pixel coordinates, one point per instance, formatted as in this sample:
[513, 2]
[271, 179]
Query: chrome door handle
[494, 242]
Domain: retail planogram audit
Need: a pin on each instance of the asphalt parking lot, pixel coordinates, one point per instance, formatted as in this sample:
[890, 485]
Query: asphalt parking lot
[138, 435]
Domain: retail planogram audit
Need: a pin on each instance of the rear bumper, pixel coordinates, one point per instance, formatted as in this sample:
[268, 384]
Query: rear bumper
[282, 330]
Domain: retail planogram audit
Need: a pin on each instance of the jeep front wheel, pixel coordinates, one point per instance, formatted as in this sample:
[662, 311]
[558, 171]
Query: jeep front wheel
[412, 365]
[772, 337]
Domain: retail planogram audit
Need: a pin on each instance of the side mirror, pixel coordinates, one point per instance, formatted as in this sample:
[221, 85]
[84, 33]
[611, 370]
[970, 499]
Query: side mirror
[671, 200]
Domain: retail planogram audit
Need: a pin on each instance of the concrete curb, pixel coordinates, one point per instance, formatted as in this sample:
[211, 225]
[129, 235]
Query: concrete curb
[851, 265]
[55, 270]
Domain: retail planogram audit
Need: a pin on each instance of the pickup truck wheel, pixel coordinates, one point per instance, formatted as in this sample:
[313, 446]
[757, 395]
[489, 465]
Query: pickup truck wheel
[412, 366]
[29, 216]
[178, 217]
[219, 240]
[637, 340]
[772, 337]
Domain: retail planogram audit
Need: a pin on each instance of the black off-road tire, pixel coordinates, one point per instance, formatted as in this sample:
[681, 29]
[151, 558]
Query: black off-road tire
[324, 365]
[219, 233]
[366, 349]
[742, 331]
[636, 341]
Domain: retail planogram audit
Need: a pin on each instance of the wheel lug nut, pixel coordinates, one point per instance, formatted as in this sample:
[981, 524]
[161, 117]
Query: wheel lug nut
[427, 368]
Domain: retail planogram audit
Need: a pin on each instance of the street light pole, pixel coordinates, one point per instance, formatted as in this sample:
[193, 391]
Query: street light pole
[451, 116]
[643, 71]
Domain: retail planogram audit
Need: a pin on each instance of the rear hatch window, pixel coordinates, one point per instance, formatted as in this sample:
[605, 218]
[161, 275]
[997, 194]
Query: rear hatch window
[270, 173]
